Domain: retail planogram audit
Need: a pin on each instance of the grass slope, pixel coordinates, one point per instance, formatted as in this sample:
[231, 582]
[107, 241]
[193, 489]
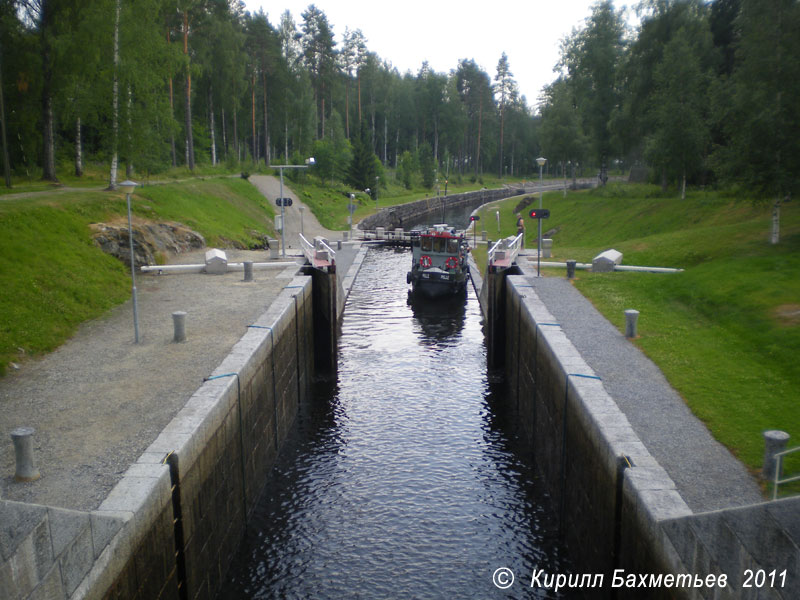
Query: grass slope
[54, 277]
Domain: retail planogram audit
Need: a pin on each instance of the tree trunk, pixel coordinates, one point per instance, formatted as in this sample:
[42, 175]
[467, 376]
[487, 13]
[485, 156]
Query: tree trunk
[129, 149]
[6, 163]
[253, 116]
[48, 137]
[776, 222]
[683, 185]
[480, 123]
[78, 149]
[502, 115]
[267, 155]
[211, 126]
[188, 116]
[224, 135]
[112, 178]
[172, 116]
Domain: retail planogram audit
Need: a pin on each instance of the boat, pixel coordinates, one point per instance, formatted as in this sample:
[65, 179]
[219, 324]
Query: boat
[439, 266]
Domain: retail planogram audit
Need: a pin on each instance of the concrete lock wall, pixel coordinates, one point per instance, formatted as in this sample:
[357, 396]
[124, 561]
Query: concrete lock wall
[616, 507]
[582, 442]
[397, 216]
[171, 525]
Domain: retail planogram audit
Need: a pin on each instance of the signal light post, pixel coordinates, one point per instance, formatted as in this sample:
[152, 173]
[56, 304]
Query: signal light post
[539, 214]
[284, 202]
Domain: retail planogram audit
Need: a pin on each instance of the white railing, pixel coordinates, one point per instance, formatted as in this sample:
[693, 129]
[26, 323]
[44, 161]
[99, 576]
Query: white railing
[778, 464]
[506, 249]
[317, 251]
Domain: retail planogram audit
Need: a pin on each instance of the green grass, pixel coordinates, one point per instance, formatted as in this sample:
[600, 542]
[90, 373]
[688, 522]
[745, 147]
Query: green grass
[722, 331]
[55, 278]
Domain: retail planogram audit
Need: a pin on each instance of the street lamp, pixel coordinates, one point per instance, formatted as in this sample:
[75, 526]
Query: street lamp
[539, 161]
[128, 186]
[309, 162]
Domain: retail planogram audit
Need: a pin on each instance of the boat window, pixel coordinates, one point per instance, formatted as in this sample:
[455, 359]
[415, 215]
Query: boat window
[452, 246]
[426, 244]
[439, 244]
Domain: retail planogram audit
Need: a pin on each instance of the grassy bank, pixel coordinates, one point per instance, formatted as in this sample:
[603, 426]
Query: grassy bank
[54, 277]
[726, 332]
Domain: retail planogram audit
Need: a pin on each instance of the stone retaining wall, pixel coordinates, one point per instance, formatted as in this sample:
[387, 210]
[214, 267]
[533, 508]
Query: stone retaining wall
[396, 216]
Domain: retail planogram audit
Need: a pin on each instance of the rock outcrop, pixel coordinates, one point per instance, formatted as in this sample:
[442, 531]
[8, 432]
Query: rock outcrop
[149, 240]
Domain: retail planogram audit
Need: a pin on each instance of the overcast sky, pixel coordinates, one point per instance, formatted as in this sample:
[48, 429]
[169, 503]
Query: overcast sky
[408, 32]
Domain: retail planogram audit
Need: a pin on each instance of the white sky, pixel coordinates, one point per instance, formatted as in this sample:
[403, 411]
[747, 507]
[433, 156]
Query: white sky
[408, 32]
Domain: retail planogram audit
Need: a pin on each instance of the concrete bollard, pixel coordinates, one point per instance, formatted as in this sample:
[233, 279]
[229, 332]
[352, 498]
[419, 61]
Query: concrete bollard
[774, 441]
[179, 324]
[23, 450]
[273, 249]
[547, 247]
[631, 318]
[484, 236]
[248, 270]
[571, 269]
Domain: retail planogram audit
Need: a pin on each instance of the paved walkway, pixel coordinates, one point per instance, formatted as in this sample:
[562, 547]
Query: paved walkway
[100, 400]
[707, 475]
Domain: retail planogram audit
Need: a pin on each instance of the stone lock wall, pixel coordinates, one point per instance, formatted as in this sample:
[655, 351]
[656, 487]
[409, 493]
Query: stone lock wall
[172, 524]
[617, 508]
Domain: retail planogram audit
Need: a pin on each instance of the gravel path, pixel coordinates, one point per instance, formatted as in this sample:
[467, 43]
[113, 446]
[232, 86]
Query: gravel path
[99, 400]
[706, 474]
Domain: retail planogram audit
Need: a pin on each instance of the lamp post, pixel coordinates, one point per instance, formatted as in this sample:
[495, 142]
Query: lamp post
[539, 161]
[309, 162]
[128, 186]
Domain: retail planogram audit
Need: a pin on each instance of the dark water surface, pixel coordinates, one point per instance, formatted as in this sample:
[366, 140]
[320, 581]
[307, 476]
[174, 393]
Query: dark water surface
[404, 481]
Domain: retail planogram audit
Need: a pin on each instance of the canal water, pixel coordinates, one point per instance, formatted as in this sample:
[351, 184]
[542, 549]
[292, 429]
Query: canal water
[405, 480]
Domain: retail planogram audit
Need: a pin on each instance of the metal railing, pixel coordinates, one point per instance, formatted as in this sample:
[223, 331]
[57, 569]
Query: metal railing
[318, 253]
[505, 252]
[778, 464]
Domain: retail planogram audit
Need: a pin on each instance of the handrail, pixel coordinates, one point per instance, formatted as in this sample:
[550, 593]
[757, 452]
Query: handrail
[778, 456]
[320, 245]
[513, 247]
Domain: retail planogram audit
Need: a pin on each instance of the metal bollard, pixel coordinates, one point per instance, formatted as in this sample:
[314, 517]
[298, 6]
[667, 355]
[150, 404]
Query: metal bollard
[248, 270]
[774, 441]
[631, 317]
[179, 324]
[338, 244]
[571, 269]
[23, 449]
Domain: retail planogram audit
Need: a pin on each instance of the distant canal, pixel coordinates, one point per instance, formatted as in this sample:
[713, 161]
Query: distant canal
[405, 480]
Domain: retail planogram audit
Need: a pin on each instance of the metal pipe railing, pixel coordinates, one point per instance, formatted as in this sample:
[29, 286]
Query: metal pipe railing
[778, 464]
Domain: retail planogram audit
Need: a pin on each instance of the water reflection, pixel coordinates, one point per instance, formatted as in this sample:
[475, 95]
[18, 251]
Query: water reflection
[402, 481]
[438, 320]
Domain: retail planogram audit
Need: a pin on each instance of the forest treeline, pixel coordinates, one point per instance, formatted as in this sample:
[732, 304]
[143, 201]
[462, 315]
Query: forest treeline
[701, 92]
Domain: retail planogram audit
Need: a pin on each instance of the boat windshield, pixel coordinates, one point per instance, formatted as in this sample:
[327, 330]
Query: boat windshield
[439, 244]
